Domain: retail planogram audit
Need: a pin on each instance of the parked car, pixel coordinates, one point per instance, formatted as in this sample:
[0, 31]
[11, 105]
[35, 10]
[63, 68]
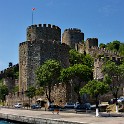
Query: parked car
[53, 107]
[35, 106]
[18, 105]
[121, 99]
[83, 107]
[112, 101]
[69, 105]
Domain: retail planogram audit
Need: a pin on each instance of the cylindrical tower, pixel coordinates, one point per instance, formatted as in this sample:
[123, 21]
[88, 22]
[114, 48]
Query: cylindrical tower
[72, 36]
[44, 32]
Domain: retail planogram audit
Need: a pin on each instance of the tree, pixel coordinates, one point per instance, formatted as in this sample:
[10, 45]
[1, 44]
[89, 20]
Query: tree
[77, 58]
[15, 89]
[114, 76]
[12, 72]
[95, 88]
[81, 72]
[113, 45]
[39, 91]
[3, 92]
[47, 75]
[121, 49]
[30, 93]
[102, 45]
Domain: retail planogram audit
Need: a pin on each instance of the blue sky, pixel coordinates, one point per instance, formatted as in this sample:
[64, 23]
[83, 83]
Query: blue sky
[102, 19]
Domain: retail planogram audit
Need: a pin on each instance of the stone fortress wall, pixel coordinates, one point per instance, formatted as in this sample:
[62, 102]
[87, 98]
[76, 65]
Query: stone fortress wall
[44, 42]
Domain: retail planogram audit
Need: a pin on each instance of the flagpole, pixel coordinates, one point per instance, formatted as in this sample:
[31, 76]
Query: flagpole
[32, 16]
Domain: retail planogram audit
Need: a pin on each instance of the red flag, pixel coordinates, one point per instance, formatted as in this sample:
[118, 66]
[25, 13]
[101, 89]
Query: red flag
[33, 9]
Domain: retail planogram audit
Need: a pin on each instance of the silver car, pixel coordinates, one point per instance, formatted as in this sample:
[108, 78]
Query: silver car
[18, 105]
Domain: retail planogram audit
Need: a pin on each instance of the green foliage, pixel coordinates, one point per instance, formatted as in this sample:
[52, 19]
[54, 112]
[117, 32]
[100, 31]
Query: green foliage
[30, 93]
[107, 79]
[75, 57]
[78, 58]
[102, 45]
[114, 46]
[15, 89]
[114, 76]
[39, 91]
[12, 72]
[81, 72]
[1, 82]
[3, 92]
[48, 73]
[121, 49]
[88, 60]
[94, 88]
[78, 70]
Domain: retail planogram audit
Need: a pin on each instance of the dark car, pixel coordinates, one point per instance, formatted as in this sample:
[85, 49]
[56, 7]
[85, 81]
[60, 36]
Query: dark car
[35, 106]
[83, 107]
[112, 101]
[53, 107]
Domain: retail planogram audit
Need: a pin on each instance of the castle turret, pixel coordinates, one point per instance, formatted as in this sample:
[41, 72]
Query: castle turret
[44, 32]
[72, 36]
[91, 42]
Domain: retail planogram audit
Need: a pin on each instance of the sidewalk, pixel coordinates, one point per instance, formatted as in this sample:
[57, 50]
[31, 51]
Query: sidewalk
[81, 118]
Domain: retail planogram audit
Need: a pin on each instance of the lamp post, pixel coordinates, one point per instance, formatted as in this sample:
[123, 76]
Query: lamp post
[97, 103]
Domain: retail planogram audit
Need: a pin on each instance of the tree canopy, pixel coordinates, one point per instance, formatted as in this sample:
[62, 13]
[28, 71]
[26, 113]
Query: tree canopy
[30, 93]
[94, 88]
[114, 76]
[3, 92]
[114, 46]
[47, 75]
[78, 58]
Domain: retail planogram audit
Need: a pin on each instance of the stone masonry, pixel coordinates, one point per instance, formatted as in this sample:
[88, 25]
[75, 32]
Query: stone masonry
[44, 42]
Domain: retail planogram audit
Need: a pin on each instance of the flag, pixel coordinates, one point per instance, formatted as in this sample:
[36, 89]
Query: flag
[33, 9]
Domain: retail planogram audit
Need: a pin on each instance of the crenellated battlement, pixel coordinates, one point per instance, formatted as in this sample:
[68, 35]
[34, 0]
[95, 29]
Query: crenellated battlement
[72, 30]
[23, 43]
[104, 51]
[44, 26]
[45, 32]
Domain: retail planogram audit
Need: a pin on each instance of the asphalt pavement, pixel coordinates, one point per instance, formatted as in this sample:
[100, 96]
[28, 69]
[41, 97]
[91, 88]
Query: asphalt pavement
[87, 118]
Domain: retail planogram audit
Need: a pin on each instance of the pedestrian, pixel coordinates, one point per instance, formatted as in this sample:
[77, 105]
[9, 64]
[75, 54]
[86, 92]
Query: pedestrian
[56, 109]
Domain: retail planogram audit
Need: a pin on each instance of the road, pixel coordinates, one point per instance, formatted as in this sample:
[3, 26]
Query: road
[87, 118]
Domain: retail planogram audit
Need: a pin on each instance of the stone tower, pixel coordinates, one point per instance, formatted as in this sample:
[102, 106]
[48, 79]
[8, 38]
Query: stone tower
[43, 43]
[72, 36]
[91, 42]
[44, 32]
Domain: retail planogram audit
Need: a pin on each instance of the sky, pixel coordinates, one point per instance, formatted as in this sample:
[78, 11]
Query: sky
[102, 19]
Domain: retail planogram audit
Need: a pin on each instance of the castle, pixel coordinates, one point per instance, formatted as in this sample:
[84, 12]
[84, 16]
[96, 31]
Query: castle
[44, 42]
